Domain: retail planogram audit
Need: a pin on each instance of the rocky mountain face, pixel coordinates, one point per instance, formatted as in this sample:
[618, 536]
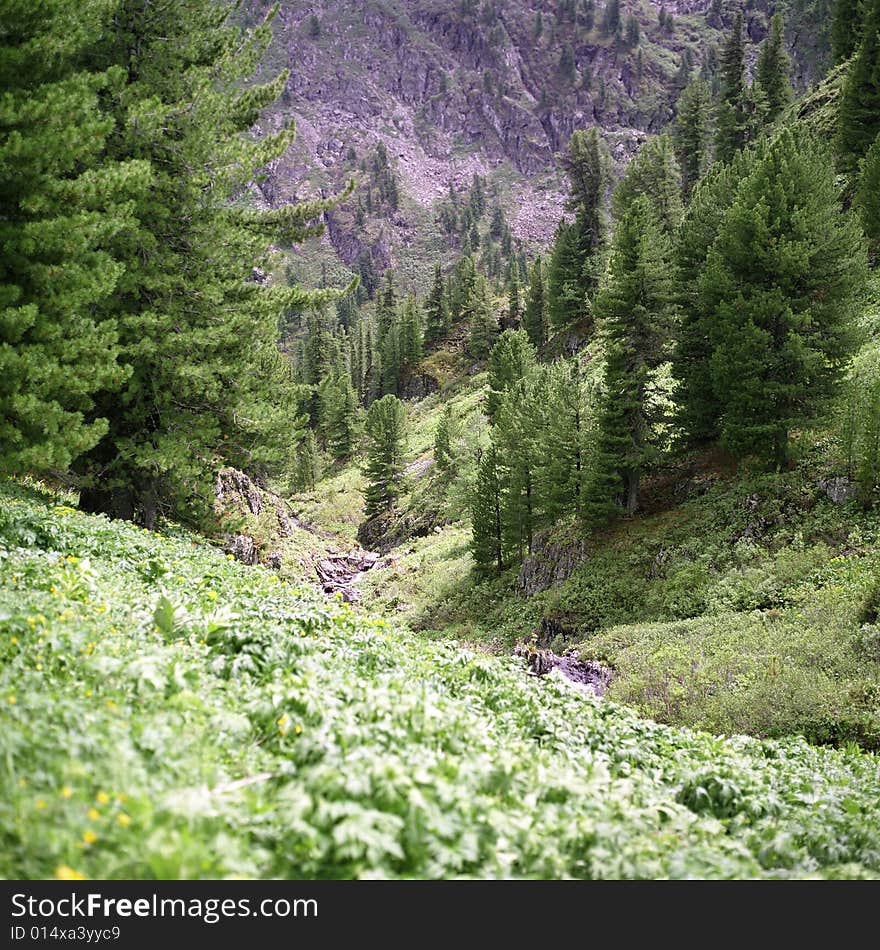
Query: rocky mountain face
[454, 88]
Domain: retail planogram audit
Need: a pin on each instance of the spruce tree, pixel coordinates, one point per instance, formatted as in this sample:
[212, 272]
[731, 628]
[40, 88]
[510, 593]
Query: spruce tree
[868, 196]
[436, 311]
[780, 282]
[385, 430]
[771, 74]
[535, 321]
[511, 359]
[386, 306]
[692, 134]
[63, 202]
[198, 323]
[307, 464]
[635, 308]
[486, 525]
[341, 417]
[731, 120]
[859, 115]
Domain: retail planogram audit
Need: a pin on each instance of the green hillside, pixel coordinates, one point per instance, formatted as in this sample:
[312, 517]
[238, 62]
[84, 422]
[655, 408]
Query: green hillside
[168, 713]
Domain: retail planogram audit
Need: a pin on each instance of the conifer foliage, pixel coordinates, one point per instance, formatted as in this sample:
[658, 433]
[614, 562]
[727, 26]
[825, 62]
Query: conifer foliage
[64, 202]
[385, 429]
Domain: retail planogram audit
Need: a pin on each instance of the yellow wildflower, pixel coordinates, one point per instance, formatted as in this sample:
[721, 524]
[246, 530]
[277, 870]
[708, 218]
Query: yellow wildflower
[40, 803]
[123, 819]
[102, 798]
[11, 700]
[93, 814]
[298, 729]
[89, 837]
[66, 873]
[66, 792]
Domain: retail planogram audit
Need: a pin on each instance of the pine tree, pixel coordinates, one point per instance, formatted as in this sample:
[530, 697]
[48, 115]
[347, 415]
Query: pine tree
[307, 463]
[386, 306]
[511, 359]
[198, 323]
[486, 526]
[859, 115]
[731, 120]
[780, 282]
[692, 134]
[654, 174]
[635, 309]
[868, 196]
[846, 29]
[63, 201]
[611, 18]
[385, 430]
[514, 298]
[446, 453]
[564, 443]
[340, 418]
[771, 74]
[699, 411]
[436, 311]
[535, 319]
[573, 269]
[482, 319]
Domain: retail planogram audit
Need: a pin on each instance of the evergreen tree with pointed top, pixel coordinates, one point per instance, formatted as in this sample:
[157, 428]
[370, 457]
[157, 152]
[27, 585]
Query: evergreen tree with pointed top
[846, 29]
[307, 464]
[867, 198]
[446, 452]
[340, 415]
[535, 319]
[771, 74]
[482, 319]
[693, 133]
[64, 200]
[699, 410]
[781, 282]
[731, 120]
[486, 508]
[859, 112]
[436, 310]
[385, 431]
[573, 269]
[514, 298]
[511, 359]
[198, 322]
[654, 173]
[386, 306]
[635, 309]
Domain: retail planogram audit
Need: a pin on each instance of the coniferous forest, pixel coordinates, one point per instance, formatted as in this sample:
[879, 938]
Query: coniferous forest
[416, 467]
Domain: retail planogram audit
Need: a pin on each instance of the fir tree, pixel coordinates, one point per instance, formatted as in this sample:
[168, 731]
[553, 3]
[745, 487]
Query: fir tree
[198, 323]
[385, 430]
[511, 359]
[859, 115]
[63, 201]
[535, 319]
[692, 134]
[611, 18]
[514, 298]
[771, 74]
[412, 342]
[486, 525]
[731, 120]
[780, 282]
[386, 306]
[635, 309]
